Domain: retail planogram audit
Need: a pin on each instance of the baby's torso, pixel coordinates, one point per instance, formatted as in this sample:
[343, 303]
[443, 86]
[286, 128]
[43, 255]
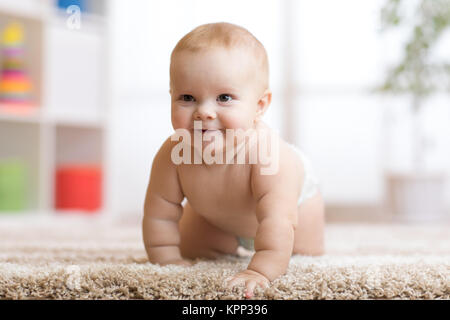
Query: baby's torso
[223, 194]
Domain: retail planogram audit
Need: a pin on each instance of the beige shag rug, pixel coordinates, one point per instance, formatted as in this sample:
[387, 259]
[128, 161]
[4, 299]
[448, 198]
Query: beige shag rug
[72, 258]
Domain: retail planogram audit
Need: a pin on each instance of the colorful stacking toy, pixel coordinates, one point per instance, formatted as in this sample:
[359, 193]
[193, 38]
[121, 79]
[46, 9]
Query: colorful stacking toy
[15, 84]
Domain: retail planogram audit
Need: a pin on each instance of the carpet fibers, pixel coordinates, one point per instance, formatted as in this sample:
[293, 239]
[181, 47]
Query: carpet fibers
[72, 258]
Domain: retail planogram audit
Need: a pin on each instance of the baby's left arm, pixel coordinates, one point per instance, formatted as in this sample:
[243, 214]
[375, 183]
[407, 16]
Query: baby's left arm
[274, 239]
[276, 213]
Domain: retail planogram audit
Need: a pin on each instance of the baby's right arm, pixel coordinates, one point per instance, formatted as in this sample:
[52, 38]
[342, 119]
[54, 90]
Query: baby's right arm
[163, 210]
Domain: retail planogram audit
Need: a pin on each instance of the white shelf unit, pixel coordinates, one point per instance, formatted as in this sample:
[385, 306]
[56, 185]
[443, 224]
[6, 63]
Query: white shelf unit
[67, 69]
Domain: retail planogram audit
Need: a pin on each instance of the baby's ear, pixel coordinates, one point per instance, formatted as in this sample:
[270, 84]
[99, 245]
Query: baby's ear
[263, 103]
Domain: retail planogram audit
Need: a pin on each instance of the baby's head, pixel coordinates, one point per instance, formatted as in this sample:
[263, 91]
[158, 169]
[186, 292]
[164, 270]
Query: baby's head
[219, 75]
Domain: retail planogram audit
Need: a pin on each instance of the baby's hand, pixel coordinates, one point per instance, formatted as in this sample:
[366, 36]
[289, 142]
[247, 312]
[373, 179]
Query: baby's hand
[250, 279]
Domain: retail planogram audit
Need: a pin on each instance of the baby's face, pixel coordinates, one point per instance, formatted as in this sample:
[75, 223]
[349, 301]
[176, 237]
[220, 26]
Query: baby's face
[217, 86]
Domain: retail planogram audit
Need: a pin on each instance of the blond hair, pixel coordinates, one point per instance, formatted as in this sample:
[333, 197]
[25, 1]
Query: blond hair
[225, 35]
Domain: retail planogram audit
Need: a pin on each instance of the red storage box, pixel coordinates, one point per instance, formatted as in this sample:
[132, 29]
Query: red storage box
[78, 188]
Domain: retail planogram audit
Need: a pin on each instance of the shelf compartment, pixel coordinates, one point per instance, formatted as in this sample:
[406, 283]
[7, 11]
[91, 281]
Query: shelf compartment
[78, 168]
[78, 145]
[73, 75]
[32, 59]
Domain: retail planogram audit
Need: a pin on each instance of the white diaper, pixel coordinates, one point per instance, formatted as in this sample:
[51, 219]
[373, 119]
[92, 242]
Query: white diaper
[311, 182]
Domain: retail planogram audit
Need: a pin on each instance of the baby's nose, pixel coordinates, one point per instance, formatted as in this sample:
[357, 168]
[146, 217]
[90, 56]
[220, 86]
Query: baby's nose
[205, 113]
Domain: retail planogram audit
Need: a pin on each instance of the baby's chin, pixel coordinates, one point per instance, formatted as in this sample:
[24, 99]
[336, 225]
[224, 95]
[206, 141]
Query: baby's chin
[211, 142]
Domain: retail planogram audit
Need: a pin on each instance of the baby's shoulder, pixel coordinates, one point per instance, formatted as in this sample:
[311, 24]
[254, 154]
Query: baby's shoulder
[277, 159]
[163, 155]
[290, 161]
[271, 144]
[283, 174]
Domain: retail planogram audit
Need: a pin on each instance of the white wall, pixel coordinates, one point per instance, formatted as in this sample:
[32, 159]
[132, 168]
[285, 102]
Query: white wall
[352, 135]
[338, 59]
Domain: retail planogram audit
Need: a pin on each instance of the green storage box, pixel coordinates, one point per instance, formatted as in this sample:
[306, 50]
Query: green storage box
[13, 184]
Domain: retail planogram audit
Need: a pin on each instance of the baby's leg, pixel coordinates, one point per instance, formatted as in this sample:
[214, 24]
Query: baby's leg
[309, 235]
[199, 238]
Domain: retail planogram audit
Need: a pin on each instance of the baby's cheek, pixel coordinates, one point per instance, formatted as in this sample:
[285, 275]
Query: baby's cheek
[237, 121]
[179, 120]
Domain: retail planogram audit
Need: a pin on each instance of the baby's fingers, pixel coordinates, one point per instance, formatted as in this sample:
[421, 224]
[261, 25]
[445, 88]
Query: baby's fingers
[249, 281]
[250, 287]
[233, 281]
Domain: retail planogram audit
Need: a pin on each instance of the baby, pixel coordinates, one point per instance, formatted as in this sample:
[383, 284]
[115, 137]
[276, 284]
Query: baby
[195, 207]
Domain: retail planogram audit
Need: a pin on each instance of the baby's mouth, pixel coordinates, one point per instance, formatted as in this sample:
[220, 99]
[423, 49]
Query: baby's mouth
[211, 132]
[208, 130]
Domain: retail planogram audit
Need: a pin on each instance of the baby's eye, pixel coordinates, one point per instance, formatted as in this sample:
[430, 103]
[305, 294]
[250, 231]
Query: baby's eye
[187, 98]
[224, 98]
